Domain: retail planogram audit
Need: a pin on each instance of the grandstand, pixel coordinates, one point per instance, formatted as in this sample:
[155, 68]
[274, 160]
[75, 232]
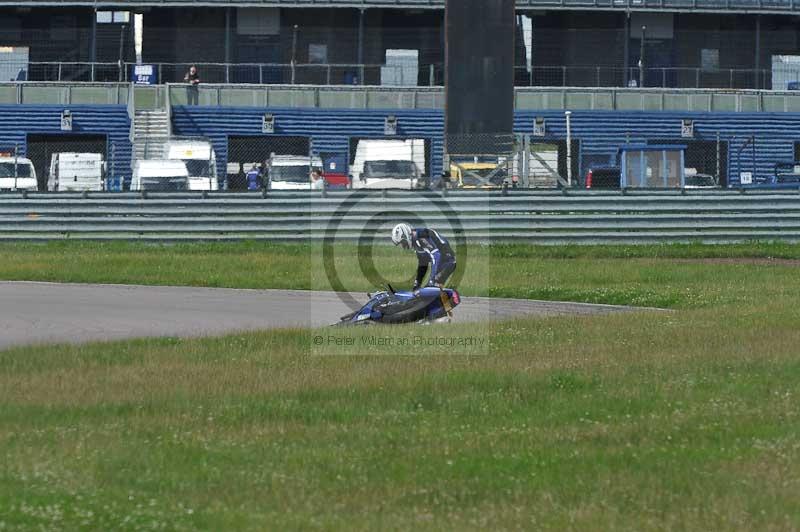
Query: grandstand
[330, 72]
[742, 44]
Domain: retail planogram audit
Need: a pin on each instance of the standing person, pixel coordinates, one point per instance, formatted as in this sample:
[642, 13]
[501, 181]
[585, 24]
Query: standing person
[317, 181]
[193, 79]
[431, 249]
[254, 178]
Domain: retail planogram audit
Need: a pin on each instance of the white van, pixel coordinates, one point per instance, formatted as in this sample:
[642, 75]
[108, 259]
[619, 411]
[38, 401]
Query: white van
[200, 159]
[291, 172]
[388, 163]
[76, 172]
[17, 173]
[160, 175]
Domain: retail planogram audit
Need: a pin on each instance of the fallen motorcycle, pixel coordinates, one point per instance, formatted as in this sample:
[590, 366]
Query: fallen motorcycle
[426, 305]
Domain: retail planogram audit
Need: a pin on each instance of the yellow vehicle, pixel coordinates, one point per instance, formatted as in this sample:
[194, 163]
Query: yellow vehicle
[473, 174]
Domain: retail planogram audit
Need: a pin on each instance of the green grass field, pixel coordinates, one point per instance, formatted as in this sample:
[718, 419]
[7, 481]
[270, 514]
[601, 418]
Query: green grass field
[651, 420]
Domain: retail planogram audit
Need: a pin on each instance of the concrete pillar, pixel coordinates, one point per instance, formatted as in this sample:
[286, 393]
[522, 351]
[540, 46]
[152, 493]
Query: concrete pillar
[228, 24]
[626, 60]
[360, 53]
[758, 53]
[361, 17]
[93, 38]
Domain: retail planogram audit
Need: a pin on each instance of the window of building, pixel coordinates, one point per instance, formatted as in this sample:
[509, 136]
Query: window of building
[709, 59]
[113, 17]
[318, 53]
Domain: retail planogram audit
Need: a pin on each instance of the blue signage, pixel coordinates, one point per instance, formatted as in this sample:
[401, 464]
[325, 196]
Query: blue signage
[144, 74]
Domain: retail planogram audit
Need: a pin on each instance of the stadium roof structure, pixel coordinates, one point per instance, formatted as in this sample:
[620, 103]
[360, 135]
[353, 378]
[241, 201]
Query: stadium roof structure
[693, 6]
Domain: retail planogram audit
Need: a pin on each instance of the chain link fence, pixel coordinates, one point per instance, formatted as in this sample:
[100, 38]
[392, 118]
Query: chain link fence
[551, 162]
[511, 161]
[63, 163]
[697, 162]
[274, 162]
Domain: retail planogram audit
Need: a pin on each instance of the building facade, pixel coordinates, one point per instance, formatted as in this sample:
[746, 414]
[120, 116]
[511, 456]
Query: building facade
[677, 44]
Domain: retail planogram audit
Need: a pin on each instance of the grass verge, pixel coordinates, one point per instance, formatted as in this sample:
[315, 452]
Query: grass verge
[669, 276]
[683, 420]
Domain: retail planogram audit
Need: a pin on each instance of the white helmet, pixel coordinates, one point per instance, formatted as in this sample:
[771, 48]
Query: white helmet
[401, 233]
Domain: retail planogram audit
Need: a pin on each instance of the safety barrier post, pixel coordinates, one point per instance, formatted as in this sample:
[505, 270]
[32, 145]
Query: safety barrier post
[112, 166]
[16, 165]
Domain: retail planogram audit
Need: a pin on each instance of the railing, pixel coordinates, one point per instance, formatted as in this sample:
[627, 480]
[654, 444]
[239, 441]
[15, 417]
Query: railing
[714, 6]
[366, 97]
[425, 76]
[530, 216]
[657, 77]
[65, 71]
[237, 73]
[64, 93]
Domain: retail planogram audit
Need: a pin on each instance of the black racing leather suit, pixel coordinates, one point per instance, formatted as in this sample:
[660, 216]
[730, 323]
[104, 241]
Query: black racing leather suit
[434, 250]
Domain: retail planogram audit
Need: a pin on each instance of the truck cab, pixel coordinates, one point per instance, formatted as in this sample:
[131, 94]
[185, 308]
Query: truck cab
[292, 172]
[198, 154]
[160, 175]
[17, 173]
[384, 164]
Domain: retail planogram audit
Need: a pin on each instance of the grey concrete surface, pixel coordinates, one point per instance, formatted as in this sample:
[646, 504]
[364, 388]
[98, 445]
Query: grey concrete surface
[35, 313]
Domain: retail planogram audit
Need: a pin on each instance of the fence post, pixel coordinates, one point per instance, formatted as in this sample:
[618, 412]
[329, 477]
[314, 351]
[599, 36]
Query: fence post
[294, 50]
[328, 78]
[227, 72]
[311, 165]
[112, 167]
[260, 74]
[16, 165]
[567, 115]
[719, 169]
[696, 78]
[526, 160]
[59, 71]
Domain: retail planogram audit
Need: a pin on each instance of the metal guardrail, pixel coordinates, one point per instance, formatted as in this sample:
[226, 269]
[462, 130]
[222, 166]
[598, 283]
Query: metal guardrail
[574, 98]
[427, 75]
[713, 6]
[369, 97]
[541, 217]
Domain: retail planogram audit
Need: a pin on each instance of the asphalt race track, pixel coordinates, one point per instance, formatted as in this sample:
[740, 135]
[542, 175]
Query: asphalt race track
[34, 313]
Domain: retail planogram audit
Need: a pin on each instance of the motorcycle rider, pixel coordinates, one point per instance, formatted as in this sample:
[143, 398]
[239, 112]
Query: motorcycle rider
[431, 249]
